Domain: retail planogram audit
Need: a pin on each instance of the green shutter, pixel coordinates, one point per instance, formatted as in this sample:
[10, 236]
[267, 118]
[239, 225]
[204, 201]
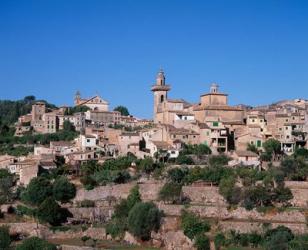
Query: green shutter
[258, 143]
[215, 124]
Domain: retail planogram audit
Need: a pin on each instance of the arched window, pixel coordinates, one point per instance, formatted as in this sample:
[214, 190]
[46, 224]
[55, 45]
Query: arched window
[161, 98]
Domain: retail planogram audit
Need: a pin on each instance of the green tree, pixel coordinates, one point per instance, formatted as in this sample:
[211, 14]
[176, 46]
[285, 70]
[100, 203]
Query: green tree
[219, 241]
[278, 238]
[229, 191]
[219, 160]
[184, 159]
[144, 218]
[272, 147]
[192, 225]
[49, 211]
[63, 190]
[123, 110]
[171, 192]
[6, 184]
[252, 148]
[133, 197]
[202, 242]
[177, 175]
[37, 191]
[147, 165]
[35, 243]
[68, 126]
[5, 239]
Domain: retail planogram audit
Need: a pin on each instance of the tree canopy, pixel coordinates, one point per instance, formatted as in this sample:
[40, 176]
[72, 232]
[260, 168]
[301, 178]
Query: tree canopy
[144, 218]
[122, 109]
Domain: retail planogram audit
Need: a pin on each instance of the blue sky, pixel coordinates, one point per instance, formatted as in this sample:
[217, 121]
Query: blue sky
[256, 50]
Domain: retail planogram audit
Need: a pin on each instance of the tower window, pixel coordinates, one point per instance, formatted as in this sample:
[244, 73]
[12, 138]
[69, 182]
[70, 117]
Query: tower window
[161, 98]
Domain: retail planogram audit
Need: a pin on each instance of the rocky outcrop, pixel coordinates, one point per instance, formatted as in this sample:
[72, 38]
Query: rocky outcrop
[130, 239]
[176, 241]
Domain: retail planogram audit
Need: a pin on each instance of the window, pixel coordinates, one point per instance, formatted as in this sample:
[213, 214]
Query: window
[215, 124]
[162, 98]
[259, 144]
[88, 140]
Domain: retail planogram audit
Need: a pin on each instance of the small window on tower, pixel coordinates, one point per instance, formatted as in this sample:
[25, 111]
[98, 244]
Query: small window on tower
[161, 98]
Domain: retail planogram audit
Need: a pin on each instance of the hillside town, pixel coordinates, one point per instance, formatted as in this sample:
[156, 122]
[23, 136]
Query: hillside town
[212, 175]
[104, 134]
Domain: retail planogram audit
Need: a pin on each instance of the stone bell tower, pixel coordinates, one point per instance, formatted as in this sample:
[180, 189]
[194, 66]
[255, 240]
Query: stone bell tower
[160, 91]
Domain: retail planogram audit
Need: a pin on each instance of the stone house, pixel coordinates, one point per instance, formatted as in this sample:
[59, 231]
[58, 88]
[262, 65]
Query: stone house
[94, 103]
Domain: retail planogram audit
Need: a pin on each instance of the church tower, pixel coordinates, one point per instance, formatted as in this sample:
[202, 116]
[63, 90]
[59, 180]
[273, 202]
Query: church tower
[77, 98]
[160, 91]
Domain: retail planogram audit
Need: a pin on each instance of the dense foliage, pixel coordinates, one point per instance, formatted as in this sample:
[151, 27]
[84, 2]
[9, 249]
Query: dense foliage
[118, 223]
[42, 193]
[143, 218]
[63, 190]
[5, 239]
[76, 109]
[272, 239]
[171, 192]
[11, 110]
[123, 110]
[193, 225]
[6, 186]
[35, 243]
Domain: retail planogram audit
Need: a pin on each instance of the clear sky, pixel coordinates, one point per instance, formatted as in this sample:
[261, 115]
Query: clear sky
[256, 50]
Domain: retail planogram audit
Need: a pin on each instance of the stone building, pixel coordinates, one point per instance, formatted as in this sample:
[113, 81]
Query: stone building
[214, 105]
[94, 103]
[37, 122]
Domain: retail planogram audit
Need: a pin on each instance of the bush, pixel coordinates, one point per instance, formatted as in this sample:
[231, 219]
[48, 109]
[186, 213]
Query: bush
[184, 159]
[146, 165]
[202, 242]
[116, 227]
[192, 225]
[5, 239]
[49, 211]
[63, 190]
[144, 218]
[23, 210]
[37, 191]
[133, 197]
[219, 160]
[219, 241]
[35, 243]
[171, 192]
[177, 175]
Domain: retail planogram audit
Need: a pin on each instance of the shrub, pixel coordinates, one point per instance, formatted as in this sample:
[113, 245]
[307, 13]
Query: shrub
[49, 211]
[35, 243]
[5, 239]
[171, 192]
[147, 165]
[219, 160]
[116, 227]
[184, 159]
[192, 225]
[37, 191]
[219, 240]
[23, 210]
[144, 218]
[133, 197]
[202, 242]
[177, 175]
[63, 190]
